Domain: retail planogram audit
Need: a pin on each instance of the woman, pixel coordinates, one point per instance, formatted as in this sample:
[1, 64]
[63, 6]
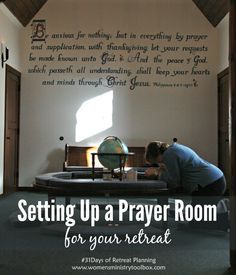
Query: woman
[181, 167]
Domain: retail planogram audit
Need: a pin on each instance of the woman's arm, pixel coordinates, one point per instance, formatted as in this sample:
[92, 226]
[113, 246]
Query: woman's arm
[172, 175]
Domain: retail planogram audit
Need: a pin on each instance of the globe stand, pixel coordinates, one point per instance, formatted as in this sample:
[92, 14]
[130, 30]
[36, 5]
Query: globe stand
[122, 160]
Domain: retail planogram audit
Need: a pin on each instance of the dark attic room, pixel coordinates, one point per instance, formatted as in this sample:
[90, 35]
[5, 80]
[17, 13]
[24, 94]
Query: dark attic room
[118, 137]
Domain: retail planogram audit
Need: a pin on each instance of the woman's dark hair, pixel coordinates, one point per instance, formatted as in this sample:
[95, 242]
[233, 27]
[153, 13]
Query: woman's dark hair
[154, 149]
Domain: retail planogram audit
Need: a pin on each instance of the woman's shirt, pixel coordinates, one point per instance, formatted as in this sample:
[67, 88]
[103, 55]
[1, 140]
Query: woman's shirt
[186, 169]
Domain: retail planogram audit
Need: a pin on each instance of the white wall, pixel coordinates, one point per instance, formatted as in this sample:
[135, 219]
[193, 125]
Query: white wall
[223, 43]
[140, 116]
[10, 34]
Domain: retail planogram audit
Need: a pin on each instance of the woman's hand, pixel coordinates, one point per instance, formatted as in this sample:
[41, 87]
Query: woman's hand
[151, 172]
[162, 167]
[156, 171]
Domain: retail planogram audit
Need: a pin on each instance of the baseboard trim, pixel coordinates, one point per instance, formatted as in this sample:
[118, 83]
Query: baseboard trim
[26, 188]
[30, 189]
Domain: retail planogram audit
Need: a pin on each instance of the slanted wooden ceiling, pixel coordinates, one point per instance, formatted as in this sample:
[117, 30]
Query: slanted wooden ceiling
[214, 10]
[25, 10]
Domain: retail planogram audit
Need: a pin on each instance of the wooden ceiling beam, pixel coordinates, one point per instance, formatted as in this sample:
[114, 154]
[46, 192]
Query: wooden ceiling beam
[214, 10]
[24, 10]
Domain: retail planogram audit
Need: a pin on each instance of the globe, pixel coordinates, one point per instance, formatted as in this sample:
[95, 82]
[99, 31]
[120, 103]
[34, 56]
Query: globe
[112, 144]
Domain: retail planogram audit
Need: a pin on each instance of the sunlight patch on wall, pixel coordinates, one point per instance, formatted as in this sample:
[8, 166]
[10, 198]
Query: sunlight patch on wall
[94, 116]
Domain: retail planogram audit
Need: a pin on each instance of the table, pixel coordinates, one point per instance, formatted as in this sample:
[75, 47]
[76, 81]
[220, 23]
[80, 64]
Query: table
[71, 184]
